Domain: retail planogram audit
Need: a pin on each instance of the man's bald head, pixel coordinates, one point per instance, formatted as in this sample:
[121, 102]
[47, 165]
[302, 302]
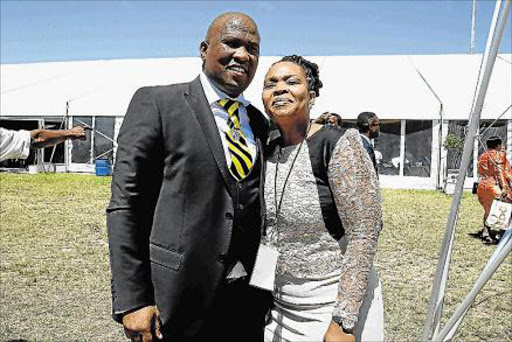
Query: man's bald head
[238, 20]
[230, 52]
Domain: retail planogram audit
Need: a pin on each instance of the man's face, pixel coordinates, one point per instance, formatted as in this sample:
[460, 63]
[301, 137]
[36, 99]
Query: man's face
[230, 54]
[333, 120]
[374, 127]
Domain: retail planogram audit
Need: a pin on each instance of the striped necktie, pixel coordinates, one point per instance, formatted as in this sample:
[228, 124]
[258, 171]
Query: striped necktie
[241, 156]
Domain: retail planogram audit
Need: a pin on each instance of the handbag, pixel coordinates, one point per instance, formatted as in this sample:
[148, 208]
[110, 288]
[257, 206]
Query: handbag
[499, 215]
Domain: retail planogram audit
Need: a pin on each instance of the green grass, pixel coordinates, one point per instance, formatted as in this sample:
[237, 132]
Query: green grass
[55, 275]
[409, 247]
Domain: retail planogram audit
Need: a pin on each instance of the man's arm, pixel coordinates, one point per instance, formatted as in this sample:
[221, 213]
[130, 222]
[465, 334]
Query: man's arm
[135, 185]
[46, 138]
[16, 144]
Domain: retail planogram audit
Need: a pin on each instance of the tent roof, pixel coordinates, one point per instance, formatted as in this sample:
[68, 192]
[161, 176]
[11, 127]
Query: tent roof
[387, 85]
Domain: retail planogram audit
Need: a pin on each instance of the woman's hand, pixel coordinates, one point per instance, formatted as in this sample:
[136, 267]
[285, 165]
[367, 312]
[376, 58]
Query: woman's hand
[336, 334]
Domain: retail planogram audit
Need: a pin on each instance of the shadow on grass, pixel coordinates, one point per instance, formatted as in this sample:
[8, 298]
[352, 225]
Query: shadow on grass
[489, 297]
[495, 235]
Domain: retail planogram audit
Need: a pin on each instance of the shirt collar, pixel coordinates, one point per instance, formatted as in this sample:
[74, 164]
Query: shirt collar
[213, 94]
[366, 138]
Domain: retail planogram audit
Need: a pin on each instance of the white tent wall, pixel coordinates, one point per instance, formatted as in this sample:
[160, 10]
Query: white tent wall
[390, 86]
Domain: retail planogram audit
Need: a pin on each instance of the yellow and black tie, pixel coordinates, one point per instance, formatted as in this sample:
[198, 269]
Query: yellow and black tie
[241, 157]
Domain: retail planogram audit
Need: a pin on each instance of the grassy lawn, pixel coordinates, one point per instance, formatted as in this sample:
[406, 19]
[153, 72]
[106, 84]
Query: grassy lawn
[55, 274]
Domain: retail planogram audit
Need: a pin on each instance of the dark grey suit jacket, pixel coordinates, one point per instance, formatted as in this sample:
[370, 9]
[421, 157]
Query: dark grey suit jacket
[170, 217]
[371, 152]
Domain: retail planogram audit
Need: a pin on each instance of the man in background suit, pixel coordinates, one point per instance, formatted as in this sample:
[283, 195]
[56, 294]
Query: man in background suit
[185, 217]
[368, 124]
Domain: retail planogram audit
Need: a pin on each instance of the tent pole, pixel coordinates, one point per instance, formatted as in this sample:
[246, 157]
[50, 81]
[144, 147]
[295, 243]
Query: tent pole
[440, 134]
[451, 327]
[439, 305]
[491, 267]
[472, 47]
[61, 127]
[440, 147]
[489, 57]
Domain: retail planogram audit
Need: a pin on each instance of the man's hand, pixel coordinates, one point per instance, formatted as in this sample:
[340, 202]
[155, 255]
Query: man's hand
[78, 132]
[143, 325]
[47, 138]
[336, 334]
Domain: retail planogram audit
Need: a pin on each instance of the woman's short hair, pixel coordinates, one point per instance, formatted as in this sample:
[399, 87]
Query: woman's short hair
[310, 69]
[493, 142]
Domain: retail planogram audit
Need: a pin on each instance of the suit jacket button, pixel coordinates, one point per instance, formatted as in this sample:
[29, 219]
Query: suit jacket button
[223, 258]
[229, 216]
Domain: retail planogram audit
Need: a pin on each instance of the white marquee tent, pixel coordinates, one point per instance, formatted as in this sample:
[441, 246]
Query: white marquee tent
[390, 86]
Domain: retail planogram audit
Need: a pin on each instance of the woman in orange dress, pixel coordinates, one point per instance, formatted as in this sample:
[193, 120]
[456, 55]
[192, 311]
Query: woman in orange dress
[494, 180]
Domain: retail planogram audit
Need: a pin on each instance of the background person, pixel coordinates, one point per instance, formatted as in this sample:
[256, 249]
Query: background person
[329, 118]
[185, 217]
[17, 144]
[494, 181]
[369, 126]
[324, 212]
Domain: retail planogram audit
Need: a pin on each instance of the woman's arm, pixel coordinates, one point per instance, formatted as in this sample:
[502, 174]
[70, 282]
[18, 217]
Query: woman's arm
[504, 177]
[356, 191]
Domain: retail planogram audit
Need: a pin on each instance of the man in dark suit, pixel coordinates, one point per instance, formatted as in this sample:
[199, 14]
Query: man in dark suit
[186, 213]
[368, 124]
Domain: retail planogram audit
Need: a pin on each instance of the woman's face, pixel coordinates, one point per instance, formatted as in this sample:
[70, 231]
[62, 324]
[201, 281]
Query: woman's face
[285, 92]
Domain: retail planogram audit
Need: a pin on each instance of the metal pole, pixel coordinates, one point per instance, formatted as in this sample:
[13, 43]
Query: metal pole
[61, 126]
[458, 315]
[473, 18]
[403, 160]
[438, 182]
[507, 238]
[440, 149]
[439, 310]
[93, 140]
[490, 39]
[489, 57]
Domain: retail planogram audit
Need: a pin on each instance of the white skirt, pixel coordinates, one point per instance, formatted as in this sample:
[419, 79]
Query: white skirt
[303, 309]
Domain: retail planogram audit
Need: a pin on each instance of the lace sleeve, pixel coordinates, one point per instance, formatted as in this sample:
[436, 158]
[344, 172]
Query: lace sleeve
[356, 191]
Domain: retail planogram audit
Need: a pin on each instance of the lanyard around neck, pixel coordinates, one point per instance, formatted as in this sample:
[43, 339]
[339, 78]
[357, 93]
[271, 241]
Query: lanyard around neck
[278, 205]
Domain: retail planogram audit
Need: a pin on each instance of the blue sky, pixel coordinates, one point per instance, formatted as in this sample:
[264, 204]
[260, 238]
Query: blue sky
[39, 31]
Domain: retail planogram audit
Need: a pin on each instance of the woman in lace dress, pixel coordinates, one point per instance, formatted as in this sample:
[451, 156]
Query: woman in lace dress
[324, 218]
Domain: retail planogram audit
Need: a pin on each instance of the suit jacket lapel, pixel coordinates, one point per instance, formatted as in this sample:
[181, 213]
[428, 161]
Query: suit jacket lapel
[259, 125]
[201, 108]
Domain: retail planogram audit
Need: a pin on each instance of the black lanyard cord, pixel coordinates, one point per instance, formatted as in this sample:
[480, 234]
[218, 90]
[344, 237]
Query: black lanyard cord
[278, 207]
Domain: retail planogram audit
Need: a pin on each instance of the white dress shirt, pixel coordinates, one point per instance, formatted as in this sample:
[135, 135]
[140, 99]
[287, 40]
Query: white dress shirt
[366, 138]
[221, 117]
[14, 144]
